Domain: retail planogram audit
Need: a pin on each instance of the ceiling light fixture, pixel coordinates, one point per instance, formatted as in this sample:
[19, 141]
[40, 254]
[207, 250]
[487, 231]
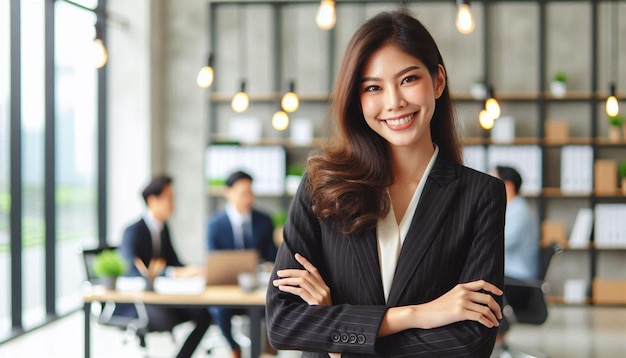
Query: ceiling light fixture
[326, 15]
[100, 54]
[241, 101]
[290, 101]
[280, 120]
[612, 106]
[491, 105]
[206, 75]
[464, 19]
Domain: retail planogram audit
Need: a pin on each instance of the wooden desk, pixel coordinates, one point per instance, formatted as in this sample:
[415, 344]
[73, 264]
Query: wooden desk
[213, 296]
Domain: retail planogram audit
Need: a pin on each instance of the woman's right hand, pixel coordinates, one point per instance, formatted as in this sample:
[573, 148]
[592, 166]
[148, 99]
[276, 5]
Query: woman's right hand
[464, 302]
[308, 284]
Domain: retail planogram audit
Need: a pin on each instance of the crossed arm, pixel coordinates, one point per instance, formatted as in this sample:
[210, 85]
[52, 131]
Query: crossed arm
[463, 302]
[458, 321]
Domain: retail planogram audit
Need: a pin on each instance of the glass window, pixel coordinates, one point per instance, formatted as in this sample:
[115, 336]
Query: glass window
[33, 97]
[5, 262]
[76, 119]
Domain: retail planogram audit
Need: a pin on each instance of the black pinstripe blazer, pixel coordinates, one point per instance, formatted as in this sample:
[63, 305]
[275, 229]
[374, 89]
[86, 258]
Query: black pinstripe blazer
[456, 235]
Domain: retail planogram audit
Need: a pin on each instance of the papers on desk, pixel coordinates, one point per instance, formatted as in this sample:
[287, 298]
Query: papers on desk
[130, 284]
[179, 285]
[165, 285]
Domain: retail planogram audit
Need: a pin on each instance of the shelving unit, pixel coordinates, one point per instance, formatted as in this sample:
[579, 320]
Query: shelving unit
[523, 94]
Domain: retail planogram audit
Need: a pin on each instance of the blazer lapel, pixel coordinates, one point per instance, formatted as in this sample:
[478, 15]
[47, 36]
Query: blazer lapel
[438, 194]
[366, 254]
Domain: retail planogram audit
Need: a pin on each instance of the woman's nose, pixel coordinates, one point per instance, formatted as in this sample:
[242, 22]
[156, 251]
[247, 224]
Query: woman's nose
[394, 99]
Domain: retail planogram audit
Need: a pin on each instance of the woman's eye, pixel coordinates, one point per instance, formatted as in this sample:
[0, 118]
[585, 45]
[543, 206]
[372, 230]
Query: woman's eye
[409, 79]
[371, 88]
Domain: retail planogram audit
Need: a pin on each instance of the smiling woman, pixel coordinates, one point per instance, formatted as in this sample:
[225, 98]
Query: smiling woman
[391, 247]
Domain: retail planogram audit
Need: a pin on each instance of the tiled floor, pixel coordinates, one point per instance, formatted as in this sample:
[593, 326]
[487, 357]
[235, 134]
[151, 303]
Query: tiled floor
[571, 331]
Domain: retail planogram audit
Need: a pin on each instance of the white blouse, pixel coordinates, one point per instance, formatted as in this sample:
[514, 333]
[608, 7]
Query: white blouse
[390, 236]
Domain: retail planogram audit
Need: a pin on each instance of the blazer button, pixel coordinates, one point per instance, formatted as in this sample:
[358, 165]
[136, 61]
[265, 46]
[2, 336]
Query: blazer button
[344, 337]
[360, 339]
[335, 337]
[352, 338]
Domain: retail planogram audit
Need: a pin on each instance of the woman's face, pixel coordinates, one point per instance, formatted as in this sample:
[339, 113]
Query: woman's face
[398, 96]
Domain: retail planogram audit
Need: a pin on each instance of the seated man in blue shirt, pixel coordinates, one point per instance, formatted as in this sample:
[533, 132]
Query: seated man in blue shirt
[521, 231]
[239, 226]
[521, 236]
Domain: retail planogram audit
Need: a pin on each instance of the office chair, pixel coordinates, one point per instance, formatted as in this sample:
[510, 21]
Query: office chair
[525, 302]
[105, 312]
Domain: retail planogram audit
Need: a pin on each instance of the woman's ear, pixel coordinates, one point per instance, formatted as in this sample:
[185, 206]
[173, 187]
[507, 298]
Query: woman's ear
[440, 81]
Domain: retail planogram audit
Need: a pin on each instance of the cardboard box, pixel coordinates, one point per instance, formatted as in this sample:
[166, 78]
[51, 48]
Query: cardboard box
[609, 292]
[605, 176]
[553, 231]
[556, 131]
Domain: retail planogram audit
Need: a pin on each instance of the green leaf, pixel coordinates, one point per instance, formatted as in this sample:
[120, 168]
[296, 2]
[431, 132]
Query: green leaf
[109, 263]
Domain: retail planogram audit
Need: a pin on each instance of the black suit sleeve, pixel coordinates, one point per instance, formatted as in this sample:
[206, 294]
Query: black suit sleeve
[132, 247]
[265, 228]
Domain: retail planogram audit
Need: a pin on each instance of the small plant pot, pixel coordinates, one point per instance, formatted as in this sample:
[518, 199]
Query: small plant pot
[109, 283]
[615, 134]
[624, 186]
[558, 89]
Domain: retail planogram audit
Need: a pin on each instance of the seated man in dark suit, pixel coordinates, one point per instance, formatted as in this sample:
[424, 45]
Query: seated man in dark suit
[239, 226]
[149, 239]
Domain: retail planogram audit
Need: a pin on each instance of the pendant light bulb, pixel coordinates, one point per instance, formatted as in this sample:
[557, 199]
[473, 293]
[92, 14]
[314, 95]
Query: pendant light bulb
[100, 55]
[290, 101]
[205, 77]
[612, 107]
[280, 120]
[241, 100]
[493, 108]
[326, 15]
[486, 121]
[464, 19]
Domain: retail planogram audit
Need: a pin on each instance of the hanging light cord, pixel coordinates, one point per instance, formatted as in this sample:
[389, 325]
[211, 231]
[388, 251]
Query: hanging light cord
[242, 37]
[614, 43]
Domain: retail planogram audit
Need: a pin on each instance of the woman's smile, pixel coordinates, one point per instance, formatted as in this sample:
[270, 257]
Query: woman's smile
[400, 123]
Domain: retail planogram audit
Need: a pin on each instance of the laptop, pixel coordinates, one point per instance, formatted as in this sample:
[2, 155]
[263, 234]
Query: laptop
[223, 266]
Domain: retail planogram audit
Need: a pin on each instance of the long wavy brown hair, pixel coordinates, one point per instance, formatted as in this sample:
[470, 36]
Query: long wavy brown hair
[349, 178]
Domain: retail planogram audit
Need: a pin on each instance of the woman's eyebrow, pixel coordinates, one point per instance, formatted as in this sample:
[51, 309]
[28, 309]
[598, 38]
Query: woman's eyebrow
[400, 73]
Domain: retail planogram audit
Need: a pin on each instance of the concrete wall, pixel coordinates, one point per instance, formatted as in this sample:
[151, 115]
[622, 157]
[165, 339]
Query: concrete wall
[129, 113]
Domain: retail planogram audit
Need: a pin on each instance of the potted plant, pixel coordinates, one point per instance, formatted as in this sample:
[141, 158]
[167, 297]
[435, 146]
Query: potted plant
[109, 265]
[615, 128]
[558, 86]
[622, 175]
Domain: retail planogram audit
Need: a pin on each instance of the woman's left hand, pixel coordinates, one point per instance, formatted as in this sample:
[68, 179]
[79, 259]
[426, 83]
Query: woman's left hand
[308, 284]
